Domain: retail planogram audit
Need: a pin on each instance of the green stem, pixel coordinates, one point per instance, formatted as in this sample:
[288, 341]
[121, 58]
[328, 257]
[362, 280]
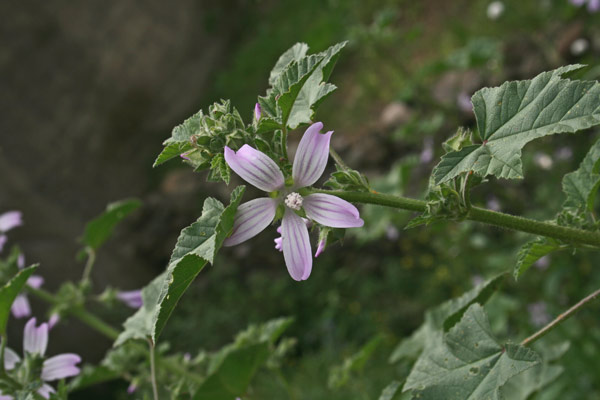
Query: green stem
[80, 313]
[89, 265]
[284, 133]
[2, 349]
[338, 160]
[477, 214]
[561, 318]
[153, 370]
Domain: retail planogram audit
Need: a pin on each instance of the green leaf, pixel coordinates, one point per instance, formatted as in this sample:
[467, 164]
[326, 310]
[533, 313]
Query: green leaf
[524, 385]
[182, 133]
[172, 150]
[140, 325]
[93, 375]
[339, 375]
[512, 115]
[196, 245]
[98, 230]
[9, 292]
[392, 391]
[295, 53]
[442, 318]
[219, 170]
[234, 374]
[533, 251]
[470, 364]
[299, 88]
[581, 186]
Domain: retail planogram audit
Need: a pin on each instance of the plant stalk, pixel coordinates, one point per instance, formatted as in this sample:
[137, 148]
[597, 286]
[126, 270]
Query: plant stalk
[478, 214]
[561, 318]
[153, 370]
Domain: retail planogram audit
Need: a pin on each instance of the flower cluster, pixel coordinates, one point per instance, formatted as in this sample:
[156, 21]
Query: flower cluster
[289, 198]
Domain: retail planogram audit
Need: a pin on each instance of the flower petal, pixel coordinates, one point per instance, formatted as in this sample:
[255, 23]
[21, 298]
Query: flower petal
[331, 211]
[20, 307]
[296, 246]
[35, 281]
[3, 240]
[45, 390]
[10, 358]
[251, 218]
[5, 397]
[35, 340]
[320, 247]
[131, 298]
[10, 220]
[60, 366]
[255, 167]
[311, 157]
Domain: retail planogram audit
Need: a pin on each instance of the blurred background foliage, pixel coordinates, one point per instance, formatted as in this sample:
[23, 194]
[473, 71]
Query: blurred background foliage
[91, 90]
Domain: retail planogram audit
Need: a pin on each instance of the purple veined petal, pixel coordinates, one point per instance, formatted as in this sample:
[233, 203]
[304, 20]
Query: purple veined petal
[10, 220]
[5, 397]
[3, 240]
[45, 390]
[593, 6]
[20, 307]
[320, 248]
[54, 319]
[255, 167]
[257, 111]
[131, 298]
[10, 359]
[311, 157]
[251, 218]
[35, 281]
[331, 211]
[35, 340]
[296, 246]
[60, 366]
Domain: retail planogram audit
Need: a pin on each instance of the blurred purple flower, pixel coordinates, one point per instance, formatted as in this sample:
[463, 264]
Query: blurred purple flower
[592, 5]
[538, 313]
[477, 280]
[392, 233]
[131, 388]
[132, 298]
[493, 203]
[54, 319]
[564, 153]
[9, 220]
[35, 342]
[3, 240]
[542, 263]
[20, 307]
[463, 100]
[254, 216]
[427, 152]
[495, 10]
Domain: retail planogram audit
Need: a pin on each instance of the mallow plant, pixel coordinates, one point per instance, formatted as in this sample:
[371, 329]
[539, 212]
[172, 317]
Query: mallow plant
[453, 355]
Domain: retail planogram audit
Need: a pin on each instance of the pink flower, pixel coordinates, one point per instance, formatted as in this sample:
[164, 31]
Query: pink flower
[20, 307]
[255, 215]
[8, 220]
[131, 298]
[35, 342]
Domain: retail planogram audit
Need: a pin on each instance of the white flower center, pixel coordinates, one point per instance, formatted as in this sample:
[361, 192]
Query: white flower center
[293, 201]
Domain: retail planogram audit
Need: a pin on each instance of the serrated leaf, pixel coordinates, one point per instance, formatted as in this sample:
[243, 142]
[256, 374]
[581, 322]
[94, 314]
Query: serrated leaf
[442, 317]
[196, 245]
[183, 132]
[9, 292]
[535, 379]
[140, 324]
[234, 374]
[533, 251]
[512, 115]
[294, 53]
[98, 230]
[219, 170]
[470, 364]
[581, 186]
[172, 150]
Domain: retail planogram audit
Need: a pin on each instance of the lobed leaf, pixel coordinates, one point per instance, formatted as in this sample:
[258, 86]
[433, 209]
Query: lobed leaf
[470, 364]
[98, 230]
[171, 151]
[294, 53]
[441, 318]
[581, 186]
[512, 115]
[9, 292]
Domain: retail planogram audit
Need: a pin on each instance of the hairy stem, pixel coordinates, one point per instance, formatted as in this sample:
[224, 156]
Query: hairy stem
[478, 214]
[153, 370]
[284, 134]
[561, 318]
[89, 265]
